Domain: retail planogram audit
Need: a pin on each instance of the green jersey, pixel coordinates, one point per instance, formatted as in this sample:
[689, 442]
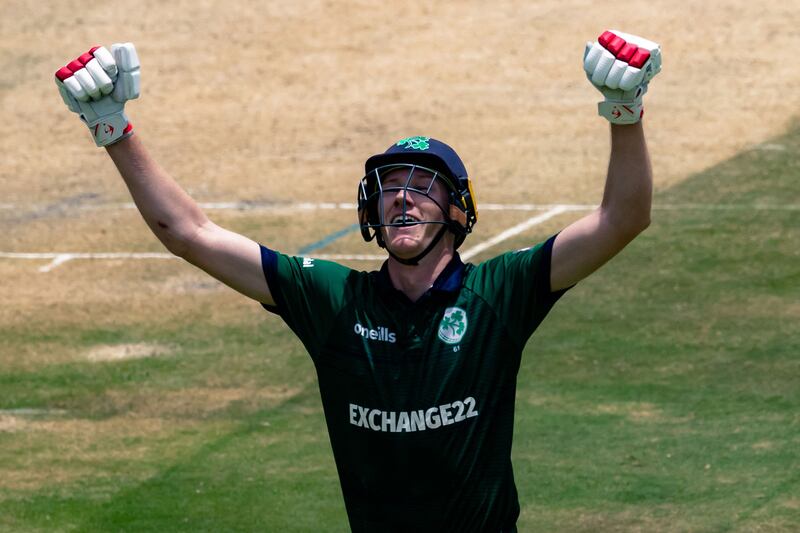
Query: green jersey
[419, 396]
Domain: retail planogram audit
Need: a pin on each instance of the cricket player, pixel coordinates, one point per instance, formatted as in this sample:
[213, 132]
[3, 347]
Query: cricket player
[417, 362]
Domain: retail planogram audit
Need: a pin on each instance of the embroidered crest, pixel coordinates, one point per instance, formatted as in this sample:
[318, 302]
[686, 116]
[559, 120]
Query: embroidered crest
[453, 325]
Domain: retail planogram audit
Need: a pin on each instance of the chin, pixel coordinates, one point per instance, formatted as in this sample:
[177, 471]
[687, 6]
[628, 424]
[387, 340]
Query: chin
[406, 251]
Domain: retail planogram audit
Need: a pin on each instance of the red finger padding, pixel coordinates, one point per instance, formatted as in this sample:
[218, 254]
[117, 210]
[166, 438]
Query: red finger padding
[615, 45]
[63, 73]
[75, 65]
[639, 58]
[627, 52]
[606, 38]
[631, 54]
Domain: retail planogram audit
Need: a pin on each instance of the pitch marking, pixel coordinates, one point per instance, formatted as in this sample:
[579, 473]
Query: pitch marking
[550, 210]
[516, 230]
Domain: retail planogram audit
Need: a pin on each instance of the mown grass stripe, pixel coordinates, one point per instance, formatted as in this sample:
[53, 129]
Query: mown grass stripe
[328, 239]
[660, 395]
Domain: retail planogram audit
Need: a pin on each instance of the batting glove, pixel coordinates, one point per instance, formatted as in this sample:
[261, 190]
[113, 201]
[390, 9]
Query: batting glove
[620, 66]
[96, 86]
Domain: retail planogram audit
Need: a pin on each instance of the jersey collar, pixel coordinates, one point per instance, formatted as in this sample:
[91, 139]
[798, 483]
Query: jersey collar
[448, 281]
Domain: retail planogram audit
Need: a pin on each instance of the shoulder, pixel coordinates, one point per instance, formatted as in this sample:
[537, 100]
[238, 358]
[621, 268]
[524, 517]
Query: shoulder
[292, 277]
[514, 274]
[524, 259]
[302, 266]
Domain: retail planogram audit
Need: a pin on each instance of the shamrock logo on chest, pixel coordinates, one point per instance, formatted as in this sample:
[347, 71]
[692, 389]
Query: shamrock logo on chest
[453, 325]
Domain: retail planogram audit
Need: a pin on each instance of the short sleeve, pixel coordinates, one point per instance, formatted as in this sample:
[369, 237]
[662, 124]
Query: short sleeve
[517, 285]
[307, 292]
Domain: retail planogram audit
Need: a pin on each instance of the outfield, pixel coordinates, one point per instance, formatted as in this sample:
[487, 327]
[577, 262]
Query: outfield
[661, 394]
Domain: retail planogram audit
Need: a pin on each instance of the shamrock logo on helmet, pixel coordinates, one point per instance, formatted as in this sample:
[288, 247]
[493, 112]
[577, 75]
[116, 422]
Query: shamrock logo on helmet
[415, 143]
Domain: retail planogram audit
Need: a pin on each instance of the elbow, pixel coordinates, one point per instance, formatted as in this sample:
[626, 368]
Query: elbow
[635, 226]
[644, 223]
[192, 242]
[177, 241]
[635, 218]
[628, 226]
[175, 246]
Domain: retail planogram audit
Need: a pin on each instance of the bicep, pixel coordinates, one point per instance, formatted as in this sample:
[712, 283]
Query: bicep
[583, 247]
[231, 258]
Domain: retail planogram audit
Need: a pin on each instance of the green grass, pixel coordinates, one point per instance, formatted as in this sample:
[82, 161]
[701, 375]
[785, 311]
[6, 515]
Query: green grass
[662, 394]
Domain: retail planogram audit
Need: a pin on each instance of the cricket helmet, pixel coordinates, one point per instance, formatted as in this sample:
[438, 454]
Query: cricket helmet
[424, 154]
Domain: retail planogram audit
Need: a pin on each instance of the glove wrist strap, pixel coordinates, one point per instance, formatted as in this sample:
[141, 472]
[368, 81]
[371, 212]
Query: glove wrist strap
[621, 112]
[109, 129]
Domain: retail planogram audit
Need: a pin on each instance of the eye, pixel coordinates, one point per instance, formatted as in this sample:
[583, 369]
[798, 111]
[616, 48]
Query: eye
[393, 181]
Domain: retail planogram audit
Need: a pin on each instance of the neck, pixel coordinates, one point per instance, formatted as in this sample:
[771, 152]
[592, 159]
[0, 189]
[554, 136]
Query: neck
[414, 280]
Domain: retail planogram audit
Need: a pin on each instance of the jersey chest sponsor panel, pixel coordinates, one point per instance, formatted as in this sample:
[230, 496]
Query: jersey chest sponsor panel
[414, 420]
[413, 417]
[393, 355]
[418, 398]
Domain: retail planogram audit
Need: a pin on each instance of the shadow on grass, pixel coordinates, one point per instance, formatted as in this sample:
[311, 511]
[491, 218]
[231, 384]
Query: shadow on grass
[663, 390]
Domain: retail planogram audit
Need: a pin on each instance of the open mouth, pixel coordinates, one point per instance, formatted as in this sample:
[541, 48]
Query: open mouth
[404, 220]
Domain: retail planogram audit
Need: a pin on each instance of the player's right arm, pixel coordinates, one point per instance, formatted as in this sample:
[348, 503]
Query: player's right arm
[96, 86]
[184, 229]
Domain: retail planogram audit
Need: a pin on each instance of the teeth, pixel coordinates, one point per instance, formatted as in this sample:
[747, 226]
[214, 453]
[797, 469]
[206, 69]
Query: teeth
[400, 219]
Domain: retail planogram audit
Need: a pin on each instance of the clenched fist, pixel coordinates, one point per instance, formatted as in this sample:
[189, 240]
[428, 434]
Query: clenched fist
[620, 66]
[96, 86]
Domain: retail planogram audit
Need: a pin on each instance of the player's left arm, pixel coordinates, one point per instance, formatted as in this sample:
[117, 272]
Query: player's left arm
[586, 244]
[620, 66]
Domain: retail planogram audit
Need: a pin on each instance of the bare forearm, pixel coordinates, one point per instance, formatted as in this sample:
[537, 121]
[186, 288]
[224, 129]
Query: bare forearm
[629, 186]
[172, 215]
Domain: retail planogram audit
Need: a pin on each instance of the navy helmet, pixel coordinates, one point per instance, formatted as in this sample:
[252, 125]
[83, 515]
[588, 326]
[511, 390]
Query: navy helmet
[427, 154]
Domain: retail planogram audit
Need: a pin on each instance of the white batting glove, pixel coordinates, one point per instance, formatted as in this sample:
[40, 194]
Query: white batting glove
[620, 66]
[96, 86]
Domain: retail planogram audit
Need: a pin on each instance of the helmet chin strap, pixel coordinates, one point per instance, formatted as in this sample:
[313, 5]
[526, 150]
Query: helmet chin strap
[414, 261]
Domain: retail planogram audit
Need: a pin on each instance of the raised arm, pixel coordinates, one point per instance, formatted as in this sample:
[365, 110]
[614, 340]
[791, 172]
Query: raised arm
[96, 86]
[179, 223]
[620, 66]
[585, 245]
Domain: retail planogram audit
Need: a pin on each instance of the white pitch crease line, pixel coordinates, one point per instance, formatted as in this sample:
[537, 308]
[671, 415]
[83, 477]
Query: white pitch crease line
[87, 255]
[531, 207]
[27, 255]
[312, 206]
[315, 206]
[516, 230]
[350, 257]
[63, 257]
[58, 260]
[551, 210]
[726, 207]
[240, 206]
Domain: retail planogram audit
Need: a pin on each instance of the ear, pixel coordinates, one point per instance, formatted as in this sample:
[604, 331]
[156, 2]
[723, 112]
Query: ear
[457, 215]
[363, 220]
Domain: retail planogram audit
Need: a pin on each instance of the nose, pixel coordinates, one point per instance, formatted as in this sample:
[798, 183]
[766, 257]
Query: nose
[400, 194]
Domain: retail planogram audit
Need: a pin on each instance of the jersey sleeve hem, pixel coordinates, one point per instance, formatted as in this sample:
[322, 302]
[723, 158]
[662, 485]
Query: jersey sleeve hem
[269, 264]
[544, 280]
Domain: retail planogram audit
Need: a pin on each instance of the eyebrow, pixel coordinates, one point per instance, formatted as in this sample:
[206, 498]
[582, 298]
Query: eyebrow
[404, 178]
